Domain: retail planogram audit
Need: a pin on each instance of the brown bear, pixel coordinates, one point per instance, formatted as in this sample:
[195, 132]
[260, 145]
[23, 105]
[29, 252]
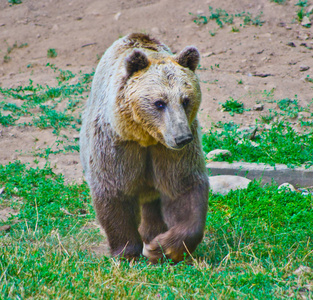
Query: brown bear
[141, 151]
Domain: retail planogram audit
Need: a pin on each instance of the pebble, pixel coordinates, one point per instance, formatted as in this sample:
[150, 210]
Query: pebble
[214, 153]
[304, 68]
[5, 228]
[258, 107]
[306, 21]
[291, 44]
[310, 9]
[302, 269]
[117, 16]
[247, 132]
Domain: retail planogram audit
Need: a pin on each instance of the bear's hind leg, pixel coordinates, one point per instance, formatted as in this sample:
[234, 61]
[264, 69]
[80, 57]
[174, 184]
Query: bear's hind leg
[152, 223]
[120, 220]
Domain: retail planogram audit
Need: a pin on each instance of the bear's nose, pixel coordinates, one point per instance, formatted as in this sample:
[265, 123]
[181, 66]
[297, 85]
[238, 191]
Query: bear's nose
[183, 140]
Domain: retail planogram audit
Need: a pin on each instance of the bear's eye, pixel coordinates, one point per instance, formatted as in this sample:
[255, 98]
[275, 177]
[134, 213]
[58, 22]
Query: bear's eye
[185, 102]
[160, 104]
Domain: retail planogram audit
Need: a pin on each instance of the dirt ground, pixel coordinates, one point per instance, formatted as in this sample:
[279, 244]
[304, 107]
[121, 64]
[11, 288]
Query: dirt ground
[251, 65]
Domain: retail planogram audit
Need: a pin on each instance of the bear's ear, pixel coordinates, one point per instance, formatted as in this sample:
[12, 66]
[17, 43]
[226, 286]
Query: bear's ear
[136, 61]
[189, 58]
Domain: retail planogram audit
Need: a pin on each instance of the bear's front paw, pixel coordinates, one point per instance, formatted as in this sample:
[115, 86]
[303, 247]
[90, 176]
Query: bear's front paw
[156, 253]
[153, 252]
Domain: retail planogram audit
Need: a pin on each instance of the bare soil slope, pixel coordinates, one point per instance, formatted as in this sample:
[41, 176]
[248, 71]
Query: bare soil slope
[253, 64]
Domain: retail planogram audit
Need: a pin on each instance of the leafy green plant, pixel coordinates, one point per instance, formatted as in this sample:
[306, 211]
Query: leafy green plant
[51, 53]
[302, 3]
[14, 2]
[279, 1]
[290, 107]
[233, 106]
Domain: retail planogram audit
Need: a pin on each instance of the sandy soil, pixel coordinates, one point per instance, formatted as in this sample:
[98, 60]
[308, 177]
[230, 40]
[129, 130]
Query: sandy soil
[262, 58]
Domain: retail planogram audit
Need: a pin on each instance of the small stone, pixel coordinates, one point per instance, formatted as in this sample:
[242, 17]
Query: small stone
[247, 132]
[287, 186]
[208, 54]
[117, 16]
[5, 228]
[309, 10]
[254, 144]
[304, 68]
[217, 152]
[306, 22]
[302, 269]
[292, 63]
[55, 27]
[304, 115]
[223, 184]
[155, 30]
[258, 107]
[291, 44]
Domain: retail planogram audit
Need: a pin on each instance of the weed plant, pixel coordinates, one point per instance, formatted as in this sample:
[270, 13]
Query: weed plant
[233, 106]
[279, 1]
[255, 240]
[51, 53]
[14, 2]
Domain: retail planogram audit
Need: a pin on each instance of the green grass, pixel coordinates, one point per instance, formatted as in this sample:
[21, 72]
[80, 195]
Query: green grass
[278, 1]
[53, 108]
[254, 241]
[222, 18]
[34, 98]
[14, 2]
[280, 144]
[302, 3]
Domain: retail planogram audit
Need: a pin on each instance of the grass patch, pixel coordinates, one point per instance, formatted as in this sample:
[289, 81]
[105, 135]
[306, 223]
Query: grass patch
[222, 18]
[254, 241]
[280, 144]
[41, 102]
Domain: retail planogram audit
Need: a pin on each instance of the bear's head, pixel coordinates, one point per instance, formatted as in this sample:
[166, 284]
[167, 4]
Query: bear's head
[160, 98]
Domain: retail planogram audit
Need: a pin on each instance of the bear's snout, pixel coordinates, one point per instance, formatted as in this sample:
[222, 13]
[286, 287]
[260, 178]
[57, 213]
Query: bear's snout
[183, 140]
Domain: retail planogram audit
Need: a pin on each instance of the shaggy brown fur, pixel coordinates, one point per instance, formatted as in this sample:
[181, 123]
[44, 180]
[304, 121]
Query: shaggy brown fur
[141, 150]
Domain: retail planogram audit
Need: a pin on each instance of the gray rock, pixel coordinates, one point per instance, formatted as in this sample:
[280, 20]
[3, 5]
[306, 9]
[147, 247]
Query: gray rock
[247, 132]
[286, 186]
[223, 184]
[306, 21]
[304, 68]
[214, 153]
[258, 107]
